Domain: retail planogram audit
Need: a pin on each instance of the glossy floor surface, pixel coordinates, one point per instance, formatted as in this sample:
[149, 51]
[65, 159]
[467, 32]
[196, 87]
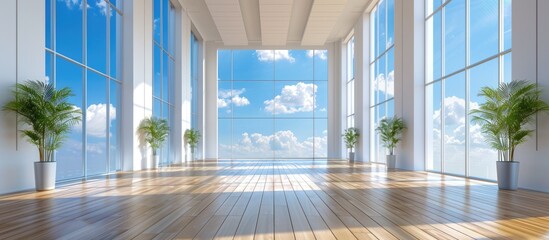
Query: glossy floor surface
[276, 200]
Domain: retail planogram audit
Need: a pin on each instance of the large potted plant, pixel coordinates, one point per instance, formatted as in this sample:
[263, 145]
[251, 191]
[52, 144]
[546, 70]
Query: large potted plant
[504, 117]
[350, 137]
[192, 137]
[390, 131]
[47, 117]
[155, 131]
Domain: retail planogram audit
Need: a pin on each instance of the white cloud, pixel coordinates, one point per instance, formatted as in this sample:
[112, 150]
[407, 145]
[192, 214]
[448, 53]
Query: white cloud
[96, 119]
[293, 99]
[226, 97]
[322, 54]
[103, 7]
[270, 55]
[381, 81]
[284, 144]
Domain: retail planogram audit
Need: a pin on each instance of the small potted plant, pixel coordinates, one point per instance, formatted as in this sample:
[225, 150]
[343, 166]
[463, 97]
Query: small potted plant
[48, 117]
[155, 131]
[504, 117]
[192, 137]
[390, 130]
[351, 139]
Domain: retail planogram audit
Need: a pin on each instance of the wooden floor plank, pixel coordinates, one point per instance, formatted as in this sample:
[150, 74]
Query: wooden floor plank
[286, 199]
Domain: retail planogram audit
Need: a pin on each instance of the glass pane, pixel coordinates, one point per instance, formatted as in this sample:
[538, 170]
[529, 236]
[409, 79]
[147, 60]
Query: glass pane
[434, 48]
[434, 126]
[321, 138]
[165, 76]
[292, 99]
[69, 156]
[68, 28]
[350, 98]
[482, 158]
[116, 26]
[483, 19]
[454, 37]
[321, 100]
[97, 36]
[48, 24]
[166, 28]
[382, 30]
[252, 138]
[390, 22]
[224, 135]
[171, 34]
[97, 116]
[171, 81]
[390, 75]
[114, 129]
[251, 98]
[507, 67]
[293, 138]
[224, 66]
[255, 64]
[157, 27]
[351, 59]
[157, 77]
[157, 108]
[380, 80]
[507, 24]
[224, 99]
[297, 66]
[454, 124]
[320, 64]
[49, 67]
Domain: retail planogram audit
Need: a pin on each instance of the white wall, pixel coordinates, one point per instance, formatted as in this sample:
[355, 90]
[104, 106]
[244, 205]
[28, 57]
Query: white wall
[530, 61]
[23, 58]
[362, 87]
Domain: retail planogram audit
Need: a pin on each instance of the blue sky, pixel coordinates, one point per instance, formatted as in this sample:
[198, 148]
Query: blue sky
[268, 101]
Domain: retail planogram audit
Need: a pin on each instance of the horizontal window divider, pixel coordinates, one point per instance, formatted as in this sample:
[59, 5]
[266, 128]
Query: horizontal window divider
[382, 54]
[272, 80]
[383, 102]
[501, 54]
[115, 8]
[56, 54]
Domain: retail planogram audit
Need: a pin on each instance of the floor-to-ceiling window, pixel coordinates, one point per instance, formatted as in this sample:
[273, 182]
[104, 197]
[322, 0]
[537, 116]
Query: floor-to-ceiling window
[194, 81]
[382, 68]
[468, 46]
[82, 53]
[164, 70]
[272, 104]
[350, 83]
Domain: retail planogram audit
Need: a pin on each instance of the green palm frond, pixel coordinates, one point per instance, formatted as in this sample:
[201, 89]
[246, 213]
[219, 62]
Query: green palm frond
[507, 112]
[155, 131]
[390, 131]
[47, 114]
[350, 137]
[193, 137]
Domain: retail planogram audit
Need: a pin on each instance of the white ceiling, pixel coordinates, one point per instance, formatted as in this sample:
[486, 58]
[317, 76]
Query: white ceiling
[274, 22]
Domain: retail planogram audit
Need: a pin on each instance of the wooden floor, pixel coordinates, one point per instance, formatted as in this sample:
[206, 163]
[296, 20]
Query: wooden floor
[276, 199]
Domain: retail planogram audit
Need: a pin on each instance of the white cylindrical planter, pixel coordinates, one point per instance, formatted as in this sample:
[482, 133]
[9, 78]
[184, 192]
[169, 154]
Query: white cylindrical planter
[508, 174]
[351, 156]
[391, 161]
[44, 175]
[156, 161]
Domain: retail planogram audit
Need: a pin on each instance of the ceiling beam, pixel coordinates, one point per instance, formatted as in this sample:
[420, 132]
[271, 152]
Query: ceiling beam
[322, 19]
[228, 19]
[275, 21]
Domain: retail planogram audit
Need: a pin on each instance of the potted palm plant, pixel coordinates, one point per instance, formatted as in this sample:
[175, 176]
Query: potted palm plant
[504, 117]
[351, 139]
[47, 117]
[390, 130]
[192, 137]
[155, 131]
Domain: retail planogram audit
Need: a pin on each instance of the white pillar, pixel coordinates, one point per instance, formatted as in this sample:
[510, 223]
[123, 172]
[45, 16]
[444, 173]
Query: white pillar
[137, 60]
[210, 101]
[362, 87]
[182, 86]
[22, 47]
[410, 81]
[530, 61]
